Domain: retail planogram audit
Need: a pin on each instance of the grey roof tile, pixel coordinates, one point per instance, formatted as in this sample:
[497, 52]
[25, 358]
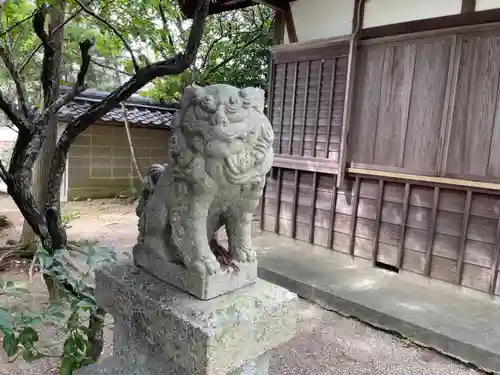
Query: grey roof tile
[141, 112]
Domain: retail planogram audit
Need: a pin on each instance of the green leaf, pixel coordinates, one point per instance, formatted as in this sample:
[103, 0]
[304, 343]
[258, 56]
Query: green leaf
[5, 319]
[80, 342]
[31, 318]
[73, 321]
[86, 304]
[67, 366]
[44, 259]
[31, 354]
[28, 337]
[10, 343]
[69, 346]
[58, 314]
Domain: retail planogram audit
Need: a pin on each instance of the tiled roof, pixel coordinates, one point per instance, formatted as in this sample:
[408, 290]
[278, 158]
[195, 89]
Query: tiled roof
[141, 112]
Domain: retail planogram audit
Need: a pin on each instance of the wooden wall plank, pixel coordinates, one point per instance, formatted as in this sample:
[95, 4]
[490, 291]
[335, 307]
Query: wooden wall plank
[401, 244]
[493, 168]
[355, 201]
[294, 99]
[367, 97]
[495, 262]
[449, 97]
[318, 107]
[312, 218]
[333, 210]
[378, 222]
[295, 203]
[475, 107]
[331, 96]
[397, 77]
[282, 110]
[432, 230]
[279, 183]
[304, 115]
[463, 238]
[261, 206]
[423, 139]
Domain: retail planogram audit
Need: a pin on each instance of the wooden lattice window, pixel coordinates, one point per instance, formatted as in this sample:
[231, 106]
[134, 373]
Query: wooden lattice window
[307, 104]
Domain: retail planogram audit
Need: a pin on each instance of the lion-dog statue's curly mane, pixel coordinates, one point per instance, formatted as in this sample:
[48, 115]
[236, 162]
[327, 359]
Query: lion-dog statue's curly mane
[220, 153]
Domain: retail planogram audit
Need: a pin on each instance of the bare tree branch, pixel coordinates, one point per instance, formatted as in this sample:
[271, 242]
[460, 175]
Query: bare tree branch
[110, 67]
[235, 53]
[261, 14]
[4, 175]
[130, 144]
[47, 73]
[14, 116]
[61, 25]
[117, 33]
[209, 51]
[79, 85]
[254, 18]
[22, 95]
[214, 42]
[165, 24]
[32, 54]
[9, 29]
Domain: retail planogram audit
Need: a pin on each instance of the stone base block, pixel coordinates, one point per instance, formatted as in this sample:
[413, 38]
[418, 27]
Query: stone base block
[202, 286]
[164, 330]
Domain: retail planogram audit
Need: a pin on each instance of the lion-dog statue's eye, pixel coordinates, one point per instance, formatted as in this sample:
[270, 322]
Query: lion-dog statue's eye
[208, 103]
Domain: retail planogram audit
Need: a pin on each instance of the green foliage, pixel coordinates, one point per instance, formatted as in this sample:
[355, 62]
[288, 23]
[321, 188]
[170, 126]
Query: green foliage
[234, 50]
[69, 315]
[22, 42]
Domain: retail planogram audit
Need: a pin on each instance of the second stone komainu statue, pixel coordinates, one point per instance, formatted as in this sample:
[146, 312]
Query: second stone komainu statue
[220, 153]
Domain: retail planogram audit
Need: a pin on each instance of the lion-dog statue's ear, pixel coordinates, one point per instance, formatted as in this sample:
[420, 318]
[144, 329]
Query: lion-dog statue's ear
[189, 93]
[256, 95]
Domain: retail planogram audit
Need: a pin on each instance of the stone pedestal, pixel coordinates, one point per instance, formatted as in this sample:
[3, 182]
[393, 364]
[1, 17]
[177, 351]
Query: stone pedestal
[202, 286]
[161, 330]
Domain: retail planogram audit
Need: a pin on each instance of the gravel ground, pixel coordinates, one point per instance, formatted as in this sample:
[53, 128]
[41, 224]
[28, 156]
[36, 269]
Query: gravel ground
[329, 344]
[326, 343]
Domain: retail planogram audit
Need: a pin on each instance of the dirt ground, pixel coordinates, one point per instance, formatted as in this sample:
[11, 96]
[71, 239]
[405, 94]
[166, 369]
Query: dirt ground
[326, 343]
[110, 221]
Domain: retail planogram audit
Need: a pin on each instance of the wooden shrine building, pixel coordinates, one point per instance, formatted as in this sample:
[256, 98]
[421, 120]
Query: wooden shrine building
[387, 123]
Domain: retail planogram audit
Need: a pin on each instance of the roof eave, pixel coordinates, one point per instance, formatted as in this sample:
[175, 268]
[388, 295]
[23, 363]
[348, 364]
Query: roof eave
[219, 6]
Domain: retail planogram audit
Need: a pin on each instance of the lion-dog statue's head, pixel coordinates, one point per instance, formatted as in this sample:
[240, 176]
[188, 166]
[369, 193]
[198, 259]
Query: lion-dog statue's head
[222, 136]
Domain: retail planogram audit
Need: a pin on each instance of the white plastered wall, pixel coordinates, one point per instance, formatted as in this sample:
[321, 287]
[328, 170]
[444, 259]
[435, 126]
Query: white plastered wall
[318, 19]
[9, 135]
[386, 12]
[7, 139]
[487, 4]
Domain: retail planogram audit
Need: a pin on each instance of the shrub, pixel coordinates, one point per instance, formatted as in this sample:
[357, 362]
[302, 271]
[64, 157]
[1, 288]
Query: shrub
[71, 314]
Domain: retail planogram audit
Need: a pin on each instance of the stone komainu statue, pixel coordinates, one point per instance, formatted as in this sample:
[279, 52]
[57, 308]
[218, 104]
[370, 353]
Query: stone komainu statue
[220, 153]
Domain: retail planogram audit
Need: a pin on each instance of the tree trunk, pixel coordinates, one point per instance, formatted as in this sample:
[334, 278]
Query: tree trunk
[40, 177]
[29, 239]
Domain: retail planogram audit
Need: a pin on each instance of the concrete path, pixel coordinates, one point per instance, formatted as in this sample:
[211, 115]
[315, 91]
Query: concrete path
[456, 324]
